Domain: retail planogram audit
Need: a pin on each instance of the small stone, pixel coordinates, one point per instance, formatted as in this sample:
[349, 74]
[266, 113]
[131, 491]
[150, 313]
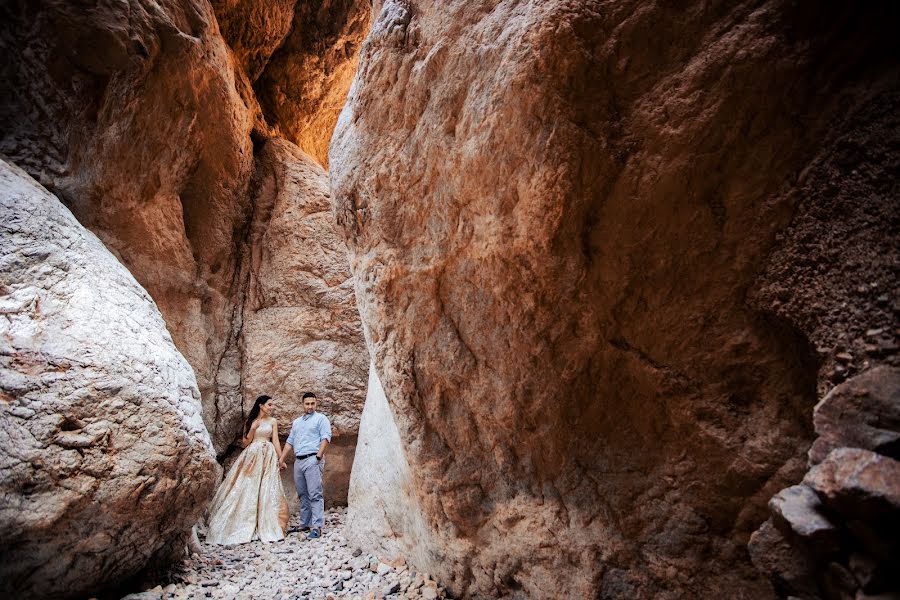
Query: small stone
[429, 593]
[796, 511]
[392, 589]
[858, 484]
[838, 581]
[383, 569]
[209, 583]
[356, 552]
[844, 357]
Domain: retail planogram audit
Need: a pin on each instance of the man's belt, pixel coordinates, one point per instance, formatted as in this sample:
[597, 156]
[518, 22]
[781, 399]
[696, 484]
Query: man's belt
[305, 456]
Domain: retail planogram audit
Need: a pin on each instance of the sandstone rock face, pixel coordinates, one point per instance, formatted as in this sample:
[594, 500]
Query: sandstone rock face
[104, 460]
[566, 243]
[140, 117]
[254, 29]
[136, 116]
[301, 329]
[305, 83]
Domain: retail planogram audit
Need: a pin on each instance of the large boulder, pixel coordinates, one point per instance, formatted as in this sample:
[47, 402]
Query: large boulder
[557, 213]
[104, 460]
[301, 328]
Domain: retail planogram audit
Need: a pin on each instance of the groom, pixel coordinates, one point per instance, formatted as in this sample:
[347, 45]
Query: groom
[310, 435]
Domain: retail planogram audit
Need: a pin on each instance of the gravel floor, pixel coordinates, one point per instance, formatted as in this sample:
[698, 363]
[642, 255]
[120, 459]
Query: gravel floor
[294, 569]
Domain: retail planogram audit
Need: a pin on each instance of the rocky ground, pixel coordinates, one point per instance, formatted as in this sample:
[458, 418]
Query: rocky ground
[294, 569]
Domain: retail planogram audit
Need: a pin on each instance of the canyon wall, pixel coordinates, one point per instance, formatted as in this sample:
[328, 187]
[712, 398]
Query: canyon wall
[143, 119]
[304, 85]
[301, 329]
[133, 114]
[104, 460]
[599, 256]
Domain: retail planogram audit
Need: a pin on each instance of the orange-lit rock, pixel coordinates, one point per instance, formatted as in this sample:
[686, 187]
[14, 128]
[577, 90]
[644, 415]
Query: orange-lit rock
[556, 213]
[132, 114]
[305, 82]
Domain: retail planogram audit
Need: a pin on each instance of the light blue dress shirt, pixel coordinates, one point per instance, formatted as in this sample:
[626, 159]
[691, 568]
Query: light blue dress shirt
[307, 432]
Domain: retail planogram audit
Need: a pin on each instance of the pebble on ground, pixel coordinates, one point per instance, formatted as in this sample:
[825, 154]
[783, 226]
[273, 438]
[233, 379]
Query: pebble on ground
[294, 569]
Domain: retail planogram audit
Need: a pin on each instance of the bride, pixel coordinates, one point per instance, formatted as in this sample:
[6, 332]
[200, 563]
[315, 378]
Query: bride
[250, 502]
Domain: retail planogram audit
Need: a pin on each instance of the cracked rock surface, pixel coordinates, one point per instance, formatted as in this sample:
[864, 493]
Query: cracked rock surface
[104, 460]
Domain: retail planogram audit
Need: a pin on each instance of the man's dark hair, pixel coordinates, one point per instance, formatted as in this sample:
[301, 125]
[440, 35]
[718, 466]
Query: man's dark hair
[310, 395]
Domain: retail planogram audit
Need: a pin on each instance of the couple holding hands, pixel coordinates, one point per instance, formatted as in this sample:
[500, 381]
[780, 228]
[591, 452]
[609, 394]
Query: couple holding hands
[250, 503]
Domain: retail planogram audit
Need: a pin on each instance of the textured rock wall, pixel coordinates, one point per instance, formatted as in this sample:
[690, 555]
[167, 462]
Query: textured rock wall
[104, 460]
[301, 329]
[566, 221]
[143, 120]
[305, 83]
[254, 29]
[135, 115]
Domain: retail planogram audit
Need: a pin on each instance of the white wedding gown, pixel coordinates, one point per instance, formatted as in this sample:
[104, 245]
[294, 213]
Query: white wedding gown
[250, 502]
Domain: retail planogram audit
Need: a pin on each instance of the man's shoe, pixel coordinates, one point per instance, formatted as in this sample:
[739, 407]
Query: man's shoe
[314, 534]
[296, 529]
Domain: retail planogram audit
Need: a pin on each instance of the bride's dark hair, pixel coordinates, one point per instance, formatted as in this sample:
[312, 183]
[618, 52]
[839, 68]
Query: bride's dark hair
[254, 412]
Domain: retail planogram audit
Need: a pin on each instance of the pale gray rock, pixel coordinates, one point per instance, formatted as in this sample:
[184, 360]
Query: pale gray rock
[797, 511]
[105, 463]
[379, 482]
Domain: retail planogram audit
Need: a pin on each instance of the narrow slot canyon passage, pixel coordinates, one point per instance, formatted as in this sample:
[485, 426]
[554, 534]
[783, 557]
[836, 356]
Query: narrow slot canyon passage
[595, 300]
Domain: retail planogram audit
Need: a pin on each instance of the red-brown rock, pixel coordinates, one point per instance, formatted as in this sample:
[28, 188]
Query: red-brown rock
[859, 484]
[254, 29]
[305, 83]
[556, 213]
[791, 569]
